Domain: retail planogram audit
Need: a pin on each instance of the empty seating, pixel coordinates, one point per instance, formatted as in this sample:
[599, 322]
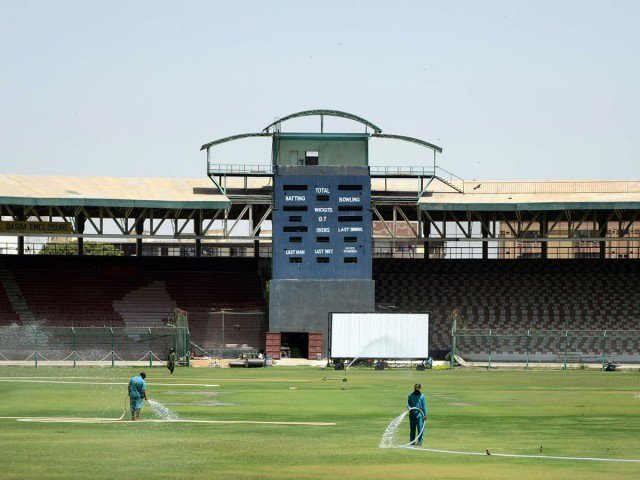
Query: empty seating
[7, 315]
[147, 306]
[140, 292]
[506, 294]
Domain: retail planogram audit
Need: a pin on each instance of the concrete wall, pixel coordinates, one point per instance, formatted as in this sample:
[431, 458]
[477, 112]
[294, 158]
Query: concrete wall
[304, 305]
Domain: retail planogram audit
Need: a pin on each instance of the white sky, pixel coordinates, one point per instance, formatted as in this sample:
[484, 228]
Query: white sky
[509, 89]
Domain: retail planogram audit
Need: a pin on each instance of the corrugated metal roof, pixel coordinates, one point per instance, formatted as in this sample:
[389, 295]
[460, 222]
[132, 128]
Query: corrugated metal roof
[537, 195]
[110, 192]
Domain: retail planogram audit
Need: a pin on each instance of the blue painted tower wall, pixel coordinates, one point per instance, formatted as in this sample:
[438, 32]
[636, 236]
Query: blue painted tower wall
[322, 223]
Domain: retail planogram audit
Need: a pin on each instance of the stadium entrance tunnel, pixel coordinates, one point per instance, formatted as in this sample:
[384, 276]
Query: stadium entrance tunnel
[295, 345]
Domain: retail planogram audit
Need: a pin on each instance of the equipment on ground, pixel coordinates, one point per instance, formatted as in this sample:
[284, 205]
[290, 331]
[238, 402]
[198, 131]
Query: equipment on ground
[610, 367]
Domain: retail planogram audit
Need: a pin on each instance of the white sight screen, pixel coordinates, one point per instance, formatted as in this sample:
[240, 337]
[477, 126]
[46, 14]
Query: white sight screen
[380, 335]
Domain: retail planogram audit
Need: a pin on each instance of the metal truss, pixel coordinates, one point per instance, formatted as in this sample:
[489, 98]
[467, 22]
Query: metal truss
[404, 138]
[402, 219]
[393, 215]
[145, 223]
[275, 126]
[531, 225]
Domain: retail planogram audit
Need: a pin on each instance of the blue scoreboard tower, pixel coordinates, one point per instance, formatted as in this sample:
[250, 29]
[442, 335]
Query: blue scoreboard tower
[321, 231]
[319, 197]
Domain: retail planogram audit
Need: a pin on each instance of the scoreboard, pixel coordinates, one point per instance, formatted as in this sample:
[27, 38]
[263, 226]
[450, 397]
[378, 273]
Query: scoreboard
[322, 224]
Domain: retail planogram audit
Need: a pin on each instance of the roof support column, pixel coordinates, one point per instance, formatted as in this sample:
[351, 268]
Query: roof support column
[602, 232]
[139, 230]
[21, 218]
[426, 233]
[544, 232]
[484, 228]
[80, 221]
[256, 243]
[197, 230]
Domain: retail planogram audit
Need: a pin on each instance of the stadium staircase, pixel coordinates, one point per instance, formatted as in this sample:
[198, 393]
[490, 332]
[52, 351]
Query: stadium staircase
[449, 184]
[19, 310]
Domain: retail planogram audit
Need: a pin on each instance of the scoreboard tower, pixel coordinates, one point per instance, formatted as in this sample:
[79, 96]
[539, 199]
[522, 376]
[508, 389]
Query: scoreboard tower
[317, 193]
[321, 232]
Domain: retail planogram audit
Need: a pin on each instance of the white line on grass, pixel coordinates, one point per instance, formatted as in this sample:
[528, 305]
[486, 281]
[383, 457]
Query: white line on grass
[154, 420]
[252, 380]
[553, 457]
[20, 380]
[283, 380]
[63, 378]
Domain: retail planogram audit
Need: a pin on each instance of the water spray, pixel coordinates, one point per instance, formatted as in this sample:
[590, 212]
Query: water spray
[367, 351]
[348, 367]
[162, 411]
[125, 408]
[389, 435]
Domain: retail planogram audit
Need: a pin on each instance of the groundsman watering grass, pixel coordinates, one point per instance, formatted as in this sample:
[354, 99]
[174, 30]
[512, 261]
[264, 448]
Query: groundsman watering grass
[297, 423]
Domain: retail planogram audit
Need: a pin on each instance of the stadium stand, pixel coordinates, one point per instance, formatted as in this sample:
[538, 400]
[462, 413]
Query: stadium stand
[523, 294]
[497, 294]
[140, 292]
[146, 306]
[7, 315]
[69, 295]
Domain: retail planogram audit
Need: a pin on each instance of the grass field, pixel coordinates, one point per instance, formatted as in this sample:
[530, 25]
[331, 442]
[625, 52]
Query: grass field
[573, 413]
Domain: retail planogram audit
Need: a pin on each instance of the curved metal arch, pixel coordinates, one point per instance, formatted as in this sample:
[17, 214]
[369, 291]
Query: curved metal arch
[232, 138]
[329, 113]
[410, 140]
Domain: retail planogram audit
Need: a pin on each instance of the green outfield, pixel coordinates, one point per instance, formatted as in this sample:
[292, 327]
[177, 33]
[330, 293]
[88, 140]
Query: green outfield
[568, 413]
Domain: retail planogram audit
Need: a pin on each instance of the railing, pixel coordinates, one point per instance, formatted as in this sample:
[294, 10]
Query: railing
[386, 170]
[417, 171]
[231, 169]
[411, 248]
[45, 247]
[72, 346]
[149, 249]
[402, 171]
[452, 248]
[533, 346]
[207, 250]
[450, 177]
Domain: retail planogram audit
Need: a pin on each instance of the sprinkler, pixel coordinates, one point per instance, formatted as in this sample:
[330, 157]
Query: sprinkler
[347, 368]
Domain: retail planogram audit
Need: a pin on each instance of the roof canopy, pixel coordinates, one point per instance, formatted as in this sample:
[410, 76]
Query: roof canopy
[536, 195]
[274, 128]
[323, 113]
[48, 190]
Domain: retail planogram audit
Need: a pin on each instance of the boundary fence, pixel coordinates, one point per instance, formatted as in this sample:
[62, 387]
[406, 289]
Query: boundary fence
[547, 346]
[26, 344]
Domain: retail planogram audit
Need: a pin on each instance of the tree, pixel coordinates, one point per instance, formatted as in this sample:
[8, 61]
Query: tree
[90, 248]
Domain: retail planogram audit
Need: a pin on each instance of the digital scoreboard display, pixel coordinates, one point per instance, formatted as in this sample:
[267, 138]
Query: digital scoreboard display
[322, 227]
